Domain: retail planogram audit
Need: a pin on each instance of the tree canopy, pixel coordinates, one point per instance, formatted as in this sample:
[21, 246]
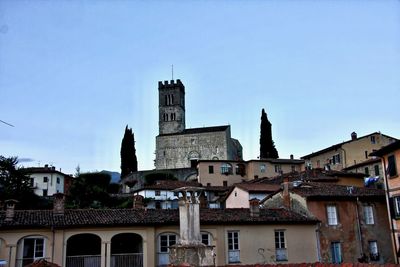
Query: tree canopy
[267, 146]
[15, 183]
[128, 153]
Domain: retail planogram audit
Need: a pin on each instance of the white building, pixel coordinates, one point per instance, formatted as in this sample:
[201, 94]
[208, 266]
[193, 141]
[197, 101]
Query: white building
[47, 181]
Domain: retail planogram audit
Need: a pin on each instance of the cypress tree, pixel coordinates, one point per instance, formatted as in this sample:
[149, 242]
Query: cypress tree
[128, 153]
[267, 146]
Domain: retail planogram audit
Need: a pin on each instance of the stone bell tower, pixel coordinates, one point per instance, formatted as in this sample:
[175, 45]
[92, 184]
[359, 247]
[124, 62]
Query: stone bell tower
[171, 107]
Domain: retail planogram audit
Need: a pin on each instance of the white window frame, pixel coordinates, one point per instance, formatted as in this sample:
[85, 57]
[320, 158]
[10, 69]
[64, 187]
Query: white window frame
[205, 238]
[369, 214]
[336, 159]
[39, 250]
[169, 240]
[280, 245]
[233, 238]
[331, 211]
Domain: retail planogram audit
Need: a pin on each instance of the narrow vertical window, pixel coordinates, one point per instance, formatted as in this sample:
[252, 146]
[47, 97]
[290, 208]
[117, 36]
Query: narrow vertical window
[366, 154]
[280, 246]
[376, 168]
[368, 214]
[373, 250]
[366, 171]
[233, 246]
[392, 169]
[336, 252]
[332, 215]
[210, 169]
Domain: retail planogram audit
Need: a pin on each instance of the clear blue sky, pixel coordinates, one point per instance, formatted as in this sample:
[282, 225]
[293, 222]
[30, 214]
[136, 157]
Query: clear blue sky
[74, 73]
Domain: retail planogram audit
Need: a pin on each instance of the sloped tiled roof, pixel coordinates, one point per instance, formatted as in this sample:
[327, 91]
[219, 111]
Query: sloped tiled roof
[387, 149]
[200, 130]
[364, 163]
[168, 185]
[82, 218]
[336, 146]
[313, 189]
[261, 187]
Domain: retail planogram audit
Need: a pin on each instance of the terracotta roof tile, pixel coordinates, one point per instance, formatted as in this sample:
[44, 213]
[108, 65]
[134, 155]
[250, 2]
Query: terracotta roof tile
[139, 217]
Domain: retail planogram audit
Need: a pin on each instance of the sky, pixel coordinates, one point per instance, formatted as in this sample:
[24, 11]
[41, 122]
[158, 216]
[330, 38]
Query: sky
[73, 74]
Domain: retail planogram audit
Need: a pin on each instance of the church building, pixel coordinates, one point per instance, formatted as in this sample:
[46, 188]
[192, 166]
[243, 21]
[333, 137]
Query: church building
[178, 147]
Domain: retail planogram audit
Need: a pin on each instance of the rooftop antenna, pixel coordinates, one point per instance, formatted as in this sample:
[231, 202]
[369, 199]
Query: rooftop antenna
[172, 69]
[7, 123]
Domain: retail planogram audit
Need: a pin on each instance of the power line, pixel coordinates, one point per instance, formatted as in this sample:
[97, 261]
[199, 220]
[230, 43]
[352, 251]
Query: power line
[7, 123]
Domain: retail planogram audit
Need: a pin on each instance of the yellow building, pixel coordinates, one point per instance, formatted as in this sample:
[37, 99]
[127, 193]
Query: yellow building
[390, 158]
[139, 237]
[348, 153]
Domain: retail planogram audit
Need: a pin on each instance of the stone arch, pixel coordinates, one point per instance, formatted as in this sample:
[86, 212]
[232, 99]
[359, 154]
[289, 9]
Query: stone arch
[83, 250]
[126, 250]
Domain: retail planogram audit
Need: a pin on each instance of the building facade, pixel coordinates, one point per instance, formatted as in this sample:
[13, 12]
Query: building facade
[138, 237]
[345, 154]
[47, 181]
[390, 161]
[178, 147]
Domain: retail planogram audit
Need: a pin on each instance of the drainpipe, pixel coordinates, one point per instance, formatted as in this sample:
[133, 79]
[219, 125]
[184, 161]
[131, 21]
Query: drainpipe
[359, 229]
[390, 215]
[317, 231]
[52, 249]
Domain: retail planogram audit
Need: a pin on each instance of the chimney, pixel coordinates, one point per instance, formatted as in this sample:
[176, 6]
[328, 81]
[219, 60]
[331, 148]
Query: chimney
[58, 204]
[138, 202]
[285, 193]
[46, 166]
[254, 207]
[291, 156]
[53, 168]
[10, 207]
[353, 136]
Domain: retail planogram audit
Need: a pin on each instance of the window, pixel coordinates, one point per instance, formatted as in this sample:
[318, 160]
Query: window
[58, 180]
[33, 249]
[277, 168]
[366, 171]
[332, 215]
[280, 246]
[240, 169]
[395, 207]
[318, 164]
[373, 141]
[210, 169]
[208, 184]
[373, 250]
[368, 214]
[224, 183]
[31, 182]
[366, 154]
[158, 193]
[226, 168]
[262, 168]
[205, 239]
[45, 192]
[336, 159]
[158, 205]
[392, 170]
[233, 247]
[45, 179]
[336, 251]
[166, 240]
[376, 168]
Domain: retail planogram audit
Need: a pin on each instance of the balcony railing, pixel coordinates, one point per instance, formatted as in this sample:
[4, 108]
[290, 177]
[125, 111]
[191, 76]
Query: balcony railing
[83, 261]
[127, 260]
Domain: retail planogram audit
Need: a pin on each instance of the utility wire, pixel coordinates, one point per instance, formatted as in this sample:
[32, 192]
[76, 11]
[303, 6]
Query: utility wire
[7, 123]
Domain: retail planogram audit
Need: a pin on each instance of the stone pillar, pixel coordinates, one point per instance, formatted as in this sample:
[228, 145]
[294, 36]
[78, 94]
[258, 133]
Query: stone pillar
[190, 251]
[12, 254]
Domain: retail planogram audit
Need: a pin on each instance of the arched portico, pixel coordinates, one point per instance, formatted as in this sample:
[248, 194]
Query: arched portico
[127, 250]
[83, 250]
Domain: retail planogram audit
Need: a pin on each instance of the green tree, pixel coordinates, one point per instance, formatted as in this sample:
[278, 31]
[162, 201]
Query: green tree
[128, 153]
[89, 190]
[15, 183]
[267, 146]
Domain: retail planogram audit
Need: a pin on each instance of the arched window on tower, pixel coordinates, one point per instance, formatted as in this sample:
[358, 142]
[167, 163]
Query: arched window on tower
[166, 100]
[172, 99]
